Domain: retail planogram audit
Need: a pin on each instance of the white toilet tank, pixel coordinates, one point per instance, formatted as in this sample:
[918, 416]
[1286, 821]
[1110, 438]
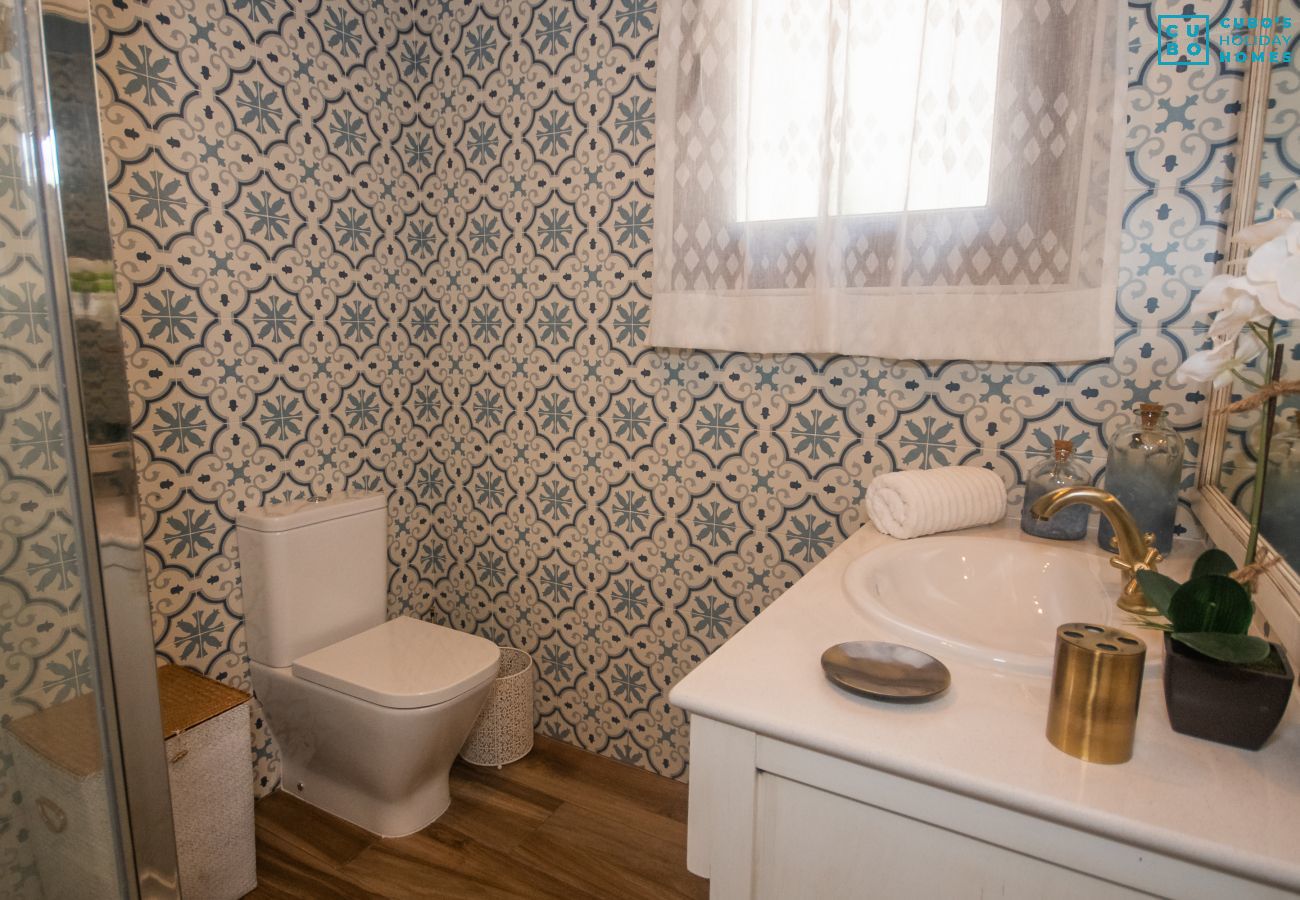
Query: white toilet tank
[314, 572]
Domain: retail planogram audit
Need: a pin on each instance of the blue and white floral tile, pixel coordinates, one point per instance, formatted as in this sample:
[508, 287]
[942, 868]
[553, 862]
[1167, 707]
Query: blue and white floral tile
[1277, 193]
[1183, 123]
[1173, 240]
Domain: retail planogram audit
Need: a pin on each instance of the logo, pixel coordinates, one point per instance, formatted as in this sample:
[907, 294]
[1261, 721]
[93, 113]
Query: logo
[1261, 40]
[1184, 40]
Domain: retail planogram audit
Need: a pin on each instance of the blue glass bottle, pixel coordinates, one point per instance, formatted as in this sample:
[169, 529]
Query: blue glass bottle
[1143, 470]
[1062, 470]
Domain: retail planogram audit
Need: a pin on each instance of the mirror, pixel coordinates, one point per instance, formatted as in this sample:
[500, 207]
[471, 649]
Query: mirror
[75, 114]
[1277, 186]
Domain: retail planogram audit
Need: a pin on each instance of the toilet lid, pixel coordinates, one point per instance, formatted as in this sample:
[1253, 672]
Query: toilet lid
[404, 663]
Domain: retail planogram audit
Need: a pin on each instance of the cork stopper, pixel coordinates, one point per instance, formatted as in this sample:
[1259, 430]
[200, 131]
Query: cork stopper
[1150, 414]
[1062, 450]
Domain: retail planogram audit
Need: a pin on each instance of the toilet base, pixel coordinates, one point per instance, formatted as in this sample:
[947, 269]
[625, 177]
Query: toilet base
[345, 802]
[385, 770]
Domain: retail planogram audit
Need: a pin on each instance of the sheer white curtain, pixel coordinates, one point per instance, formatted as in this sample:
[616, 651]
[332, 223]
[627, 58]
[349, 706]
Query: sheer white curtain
[935, 179]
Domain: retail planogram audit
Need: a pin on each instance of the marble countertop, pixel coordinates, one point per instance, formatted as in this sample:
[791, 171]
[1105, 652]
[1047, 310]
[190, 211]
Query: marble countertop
[1235, 810]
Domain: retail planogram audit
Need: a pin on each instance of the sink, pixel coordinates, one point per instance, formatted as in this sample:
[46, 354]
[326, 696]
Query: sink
[993, 601]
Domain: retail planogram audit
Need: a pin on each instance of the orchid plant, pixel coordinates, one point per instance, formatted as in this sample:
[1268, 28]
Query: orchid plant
[1246, 310]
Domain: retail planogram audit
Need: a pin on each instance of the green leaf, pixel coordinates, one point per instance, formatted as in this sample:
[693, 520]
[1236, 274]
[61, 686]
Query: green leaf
[1157, 588]
[1241, 649]
[1213, 562]
[1211, 603]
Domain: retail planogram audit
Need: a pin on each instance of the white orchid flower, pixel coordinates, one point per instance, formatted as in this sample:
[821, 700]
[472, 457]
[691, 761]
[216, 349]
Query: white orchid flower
[1264, 263]
[1273, 272]
[1219, 363]
[1221, 294]
[1287, 304]
[1232, 301]
[1262, 232]
[1243, 309]
[1217, 294]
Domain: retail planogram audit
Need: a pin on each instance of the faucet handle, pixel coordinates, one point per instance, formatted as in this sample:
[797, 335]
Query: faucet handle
[1149, 561]
[1152, 556]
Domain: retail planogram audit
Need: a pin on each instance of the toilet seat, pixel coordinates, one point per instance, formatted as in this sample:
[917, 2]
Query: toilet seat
[404, 663]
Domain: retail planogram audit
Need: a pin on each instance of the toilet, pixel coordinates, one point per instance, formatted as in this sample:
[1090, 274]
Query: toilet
[368, 714]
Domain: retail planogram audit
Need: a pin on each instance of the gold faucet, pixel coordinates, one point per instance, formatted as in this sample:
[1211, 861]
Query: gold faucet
[1134, 549]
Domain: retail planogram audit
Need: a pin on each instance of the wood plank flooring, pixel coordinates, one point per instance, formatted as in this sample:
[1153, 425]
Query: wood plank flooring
[559, 823]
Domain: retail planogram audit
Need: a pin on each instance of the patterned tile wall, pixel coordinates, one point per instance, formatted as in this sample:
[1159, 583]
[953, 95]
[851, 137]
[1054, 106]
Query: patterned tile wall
[409, 250]
[43, 650]
[271, 203]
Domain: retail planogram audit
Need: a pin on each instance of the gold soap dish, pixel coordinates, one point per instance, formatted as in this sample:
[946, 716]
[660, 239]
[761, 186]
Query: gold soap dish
[884, 671]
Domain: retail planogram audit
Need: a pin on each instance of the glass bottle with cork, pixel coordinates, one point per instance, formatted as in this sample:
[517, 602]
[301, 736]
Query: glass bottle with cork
[1143, 470]
[1062, 470]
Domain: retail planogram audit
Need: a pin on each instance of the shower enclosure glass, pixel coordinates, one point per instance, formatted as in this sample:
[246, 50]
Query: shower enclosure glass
[84, 804]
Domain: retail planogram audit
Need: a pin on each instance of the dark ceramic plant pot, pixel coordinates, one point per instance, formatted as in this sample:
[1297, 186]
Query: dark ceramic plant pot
[1222, 702]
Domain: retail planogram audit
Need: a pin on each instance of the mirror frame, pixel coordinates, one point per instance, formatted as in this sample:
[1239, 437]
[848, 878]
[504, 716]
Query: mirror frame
[1277, 592]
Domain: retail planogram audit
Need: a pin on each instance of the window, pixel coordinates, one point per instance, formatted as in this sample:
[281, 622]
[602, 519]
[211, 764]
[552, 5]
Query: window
[936, 179]
[916, 128]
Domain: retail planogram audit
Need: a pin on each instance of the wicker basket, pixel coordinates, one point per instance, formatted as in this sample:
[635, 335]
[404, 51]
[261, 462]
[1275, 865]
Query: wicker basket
[59, 763]
[503, 731]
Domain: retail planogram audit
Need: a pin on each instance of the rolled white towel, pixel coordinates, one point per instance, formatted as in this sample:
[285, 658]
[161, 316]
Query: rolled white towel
[927, 501]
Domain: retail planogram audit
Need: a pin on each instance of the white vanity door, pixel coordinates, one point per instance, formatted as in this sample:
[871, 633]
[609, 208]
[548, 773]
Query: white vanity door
[814, 844]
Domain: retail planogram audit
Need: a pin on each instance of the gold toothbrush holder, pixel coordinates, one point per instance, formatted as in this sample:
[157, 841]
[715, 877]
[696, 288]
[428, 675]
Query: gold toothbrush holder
[1096, 685]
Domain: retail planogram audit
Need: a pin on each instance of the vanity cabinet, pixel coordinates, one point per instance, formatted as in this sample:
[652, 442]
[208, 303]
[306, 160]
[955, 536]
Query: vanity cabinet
[801, 789]
[772, 820]
[816, 843]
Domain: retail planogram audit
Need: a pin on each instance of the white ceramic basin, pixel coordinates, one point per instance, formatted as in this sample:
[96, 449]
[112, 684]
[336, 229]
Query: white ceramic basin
[994, 601]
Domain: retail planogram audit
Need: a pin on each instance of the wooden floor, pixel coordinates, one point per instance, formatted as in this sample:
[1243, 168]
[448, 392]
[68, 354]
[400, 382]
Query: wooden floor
[559, 823]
